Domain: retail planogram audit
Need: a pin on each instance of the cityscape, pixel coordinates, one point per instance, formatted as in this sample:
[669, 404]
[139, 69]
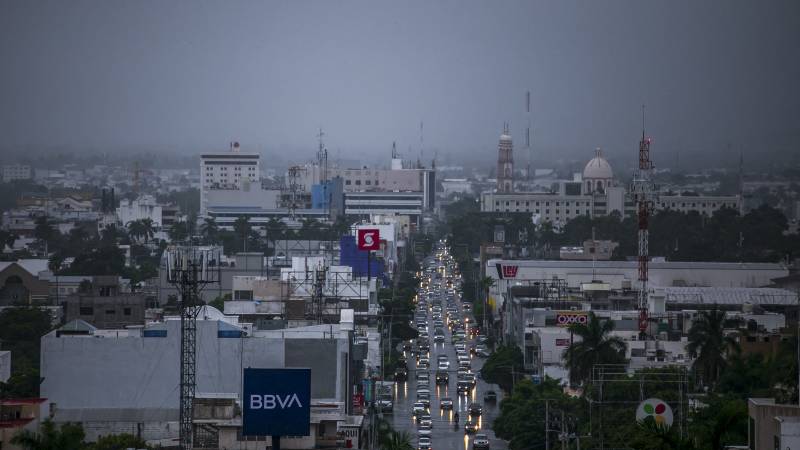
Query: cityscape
[422, 226]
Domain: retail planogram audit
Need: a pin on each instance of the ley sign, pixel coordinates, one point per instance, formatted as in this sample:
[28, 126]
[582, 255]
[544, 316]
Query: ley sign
[369, 239]
[277, 402]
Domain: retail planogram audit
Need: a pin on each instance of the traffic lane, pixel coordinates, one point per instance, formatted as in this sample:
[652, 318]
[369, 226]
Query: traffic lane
[445, 434]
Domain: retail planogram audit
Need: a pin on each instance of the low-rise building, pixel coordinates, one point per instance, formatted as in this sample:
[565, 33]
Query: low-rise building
[18, 415]
[772, 425]
[115, 381]
[103, 303]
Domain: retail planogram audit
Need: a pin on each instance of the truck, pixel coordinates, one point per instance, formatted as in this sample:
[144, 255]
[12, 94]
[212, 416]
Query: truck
[384, 393]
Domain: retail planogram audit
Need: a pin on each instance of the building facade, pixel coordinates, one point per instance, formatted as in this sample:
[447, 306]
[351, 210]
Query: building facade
[227, 171]
[505, 163]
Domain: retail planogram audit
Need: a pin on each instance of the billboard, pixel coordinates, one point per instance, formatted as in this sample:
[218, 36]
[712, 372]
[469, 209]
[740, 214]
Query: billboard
[369, 239]
[276, 402]
[567, 318]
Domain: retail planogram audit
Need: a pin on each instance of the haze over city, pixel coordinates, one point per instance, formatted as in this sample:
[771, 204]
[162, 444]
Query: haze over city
[419, 225]
[192, 76]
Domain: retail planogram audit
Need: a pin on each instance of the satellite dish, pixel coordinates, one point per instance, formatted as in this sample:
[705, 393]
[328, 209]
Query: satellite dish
[655, 409]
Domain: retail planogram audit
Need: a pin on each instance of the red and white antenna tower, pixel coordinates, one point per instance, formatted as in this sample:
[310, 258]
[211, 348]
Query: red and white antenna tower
[644, 194]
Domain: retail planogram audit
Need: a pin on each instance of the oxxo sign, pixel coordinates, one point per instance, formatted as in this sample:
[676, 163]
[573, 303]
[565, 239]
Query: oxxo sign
[369, 239]
[276, 402]
[567, 318]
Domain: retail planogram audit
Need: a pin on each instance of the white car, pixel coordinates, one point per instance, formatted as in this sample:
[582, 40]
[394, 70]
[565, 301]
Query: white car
[424, 443]
[425, 431]
[444, 365]
[481, 441]
[418, 408]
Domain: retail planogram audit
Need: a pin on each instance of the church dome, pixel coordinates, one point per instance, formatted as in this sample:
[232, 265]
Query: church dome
[598, 168]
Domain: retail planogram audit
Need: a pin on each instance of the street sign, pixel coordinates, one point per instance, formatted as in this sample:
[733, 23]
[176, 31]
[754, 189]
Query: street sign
[369, 239]
[277, 402]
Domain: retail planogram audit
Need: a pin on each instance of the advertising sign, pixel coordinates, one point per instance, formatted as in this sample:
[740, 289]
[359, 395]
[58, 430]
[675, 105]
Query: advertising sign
[567, 318]
[507, 271]
[656, 410]
[369, 239]
[276, 402]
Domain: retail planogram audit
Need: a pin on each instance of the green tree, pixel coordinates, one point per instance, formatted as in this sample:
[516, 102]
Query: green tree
[210, 231]
[397, 440]
[503, 367]
[119, 442]
[68, 436]
[522, 414]
[179, 231]
[44, 231]
[710, 345]
[21, 330]
[595, 346]
[142, 229]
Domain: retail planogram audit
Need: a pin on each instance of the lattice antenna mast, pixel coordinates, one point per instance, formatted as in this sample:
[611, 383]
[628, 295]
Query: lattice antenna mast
[644, 194]
[528, 135]
[190, 270]
[293, 186]
[322, 158]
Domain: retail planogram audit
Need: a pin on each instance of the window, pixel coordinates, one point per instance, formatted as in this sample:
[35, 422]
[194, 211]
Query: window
[126, 311]
[110, 312]
[86, 311]
[369, 182]
[358, 182]
[347, 182]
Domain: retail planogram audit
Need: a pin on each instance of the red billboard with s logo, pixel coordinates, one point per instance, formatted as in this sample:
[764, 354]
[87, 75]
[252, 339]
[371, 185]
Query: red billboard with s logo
[369, 239]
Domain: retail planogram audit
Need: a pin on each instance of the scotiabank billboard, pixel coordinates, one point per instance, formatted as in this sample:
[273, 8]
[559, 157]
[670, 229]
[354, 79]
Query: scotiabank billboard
[369, 239]
[567, 318]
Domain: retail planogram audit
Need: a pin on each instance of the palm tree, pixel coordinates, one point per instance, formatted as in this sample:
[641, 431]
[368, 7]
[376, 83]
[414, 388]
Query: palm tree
[709, 344]
[209, 230]
[67, 437]
[397, 440]
[241, 228]
[148, 228]
[594, 347]
[141, 228]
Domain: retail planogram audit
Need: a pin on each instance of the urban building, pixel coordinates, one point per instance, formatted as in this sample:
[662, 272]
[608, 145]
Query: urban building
[227, 171]
[18, 415]
[772, 425]
[123, 381]
[15, 172]
[22, 282]
[103, 303]
[594, 193]
[144, 207]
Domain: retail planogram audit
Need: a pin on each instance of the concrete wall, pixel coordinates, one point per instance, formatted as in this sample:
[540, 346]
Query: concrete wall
[5, 366]
[136, 372]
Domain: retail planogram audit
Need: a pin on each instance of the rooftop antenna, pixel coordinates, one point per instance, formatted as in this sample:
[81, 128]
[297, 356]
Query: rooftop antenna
[528, 134]
[421, 142]
[322, 157]
[644, 194]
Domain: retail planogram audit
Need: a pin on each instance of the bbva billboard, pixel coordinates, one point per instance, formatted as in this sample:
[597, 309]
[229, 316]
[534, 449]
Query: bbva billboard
[276, 402]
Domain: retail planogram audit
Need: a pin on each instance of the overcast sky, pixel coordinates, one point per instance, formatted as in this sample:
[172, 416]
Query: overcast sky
[193, 75]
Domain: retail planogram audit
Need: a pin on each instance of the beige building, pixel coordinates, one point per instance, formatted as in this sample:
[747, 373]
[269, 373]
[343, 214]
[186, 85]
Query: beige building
[594, 193]
[771, 425]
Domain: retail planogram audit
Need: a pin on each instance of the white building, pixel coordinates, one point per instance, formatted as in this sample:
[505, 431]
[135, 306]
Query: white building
[226, 171]
[595, 193]
[144, 207]
[14, 172]
[5, 366]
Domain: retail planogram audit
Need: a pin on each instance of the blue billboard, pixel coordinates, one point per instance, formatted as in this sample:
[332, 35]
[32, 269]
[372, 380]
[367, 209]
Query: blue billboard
[276, 402]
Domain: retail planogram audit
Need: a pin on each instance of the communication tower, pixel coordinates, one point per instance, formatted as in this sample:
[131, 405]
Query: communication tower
[322, 158]
[190, 269]
[645, 195]
[293, 188]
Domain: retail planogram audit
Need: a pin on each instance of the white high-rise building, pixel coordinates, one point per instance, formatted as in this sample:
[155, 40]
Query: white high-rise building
[14, 172]
[227, 171]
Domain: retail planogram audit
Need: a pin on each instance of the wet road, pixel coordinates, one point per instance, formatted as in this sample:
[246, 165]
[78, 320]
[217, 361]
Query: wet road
[444, 435]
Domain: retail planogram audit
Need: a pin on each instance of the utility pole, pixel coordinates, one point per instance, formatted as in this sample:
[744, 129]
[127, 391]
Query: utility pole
[547, 425]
